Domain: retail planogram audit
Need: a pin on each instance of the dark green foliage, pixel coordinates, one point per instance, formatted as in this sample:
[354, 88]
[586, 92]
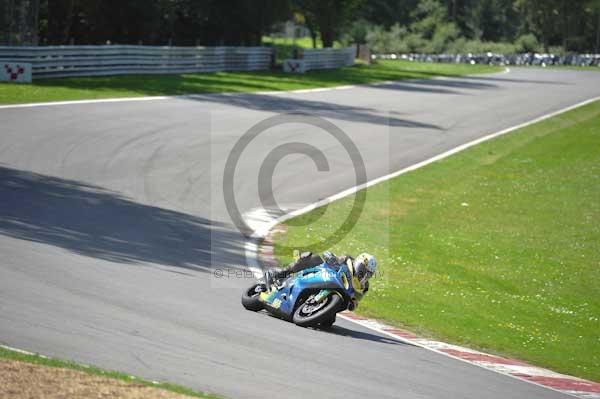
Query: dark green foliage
[328, 16]
[18, 21]
[427, 25]
[159, 22]
[564, 25]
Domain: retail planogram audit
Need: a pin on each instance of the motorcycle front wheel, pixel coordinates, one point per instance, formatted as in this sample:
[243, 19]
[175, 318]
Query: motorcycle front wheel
[312, 314]
[250, 297]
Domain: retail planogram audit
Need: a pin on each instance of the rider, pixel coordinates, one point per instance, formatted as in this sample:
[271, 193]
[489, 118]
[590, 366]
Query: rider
[362, 269]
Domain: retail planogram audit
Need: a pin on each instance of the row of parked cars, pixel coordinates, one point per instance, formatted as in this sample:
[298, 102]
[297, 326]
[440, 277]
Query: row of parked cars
[501, 59]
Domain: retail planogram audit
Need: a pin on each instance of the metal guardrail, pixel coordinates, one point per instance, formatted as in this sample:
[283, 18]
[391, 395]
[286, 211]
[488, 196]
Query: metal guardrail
[535, 59]
[328, 58]
[64, 61]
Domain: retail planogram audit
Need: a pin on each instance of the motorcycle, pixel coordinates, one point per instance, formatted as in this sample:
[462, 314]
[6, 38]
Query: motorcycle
[309, 298]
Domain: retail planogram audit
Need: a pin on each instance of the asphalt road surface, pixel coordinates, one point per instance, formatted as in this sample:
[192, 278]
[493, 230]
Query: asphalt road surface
[113, 223]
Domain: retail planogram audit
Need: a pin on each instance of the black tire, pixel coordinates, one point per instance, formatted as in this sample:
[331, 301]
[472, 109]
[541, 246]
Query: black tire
[324, 315]
[327, 324]
[250, 298]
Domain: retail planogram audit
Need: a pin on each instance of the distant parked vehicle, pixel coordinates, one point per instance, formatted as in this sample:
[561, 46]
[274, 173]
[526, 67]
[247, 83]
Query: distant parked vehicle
[535, 59]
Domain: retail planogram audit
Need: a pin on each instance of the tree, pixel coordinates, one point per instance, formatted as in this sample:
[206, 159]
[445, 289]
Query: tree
[259, 15]
[331, 16]
[431, 23]
[545, 18]
[358, 31]
[177, 22]
[427, 24]
[593, 9]
[387, 12]
[19, 22]
[428, 16]
[491, 20]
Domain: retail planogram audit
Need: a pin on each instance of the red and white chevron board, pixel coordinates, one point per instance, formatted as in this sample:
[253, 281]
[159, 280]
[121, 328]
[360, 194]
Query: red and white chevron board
[15, 72]
[514, 368]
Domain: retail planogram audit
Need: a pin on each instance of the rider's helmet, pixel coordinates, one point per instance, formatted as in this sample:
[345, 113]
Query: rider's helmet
[365, 267]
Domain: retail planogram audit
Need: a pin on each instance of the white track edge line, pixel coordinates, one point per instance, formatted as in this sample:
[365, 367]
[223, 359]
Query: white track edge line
[77, 102]
[191, 95]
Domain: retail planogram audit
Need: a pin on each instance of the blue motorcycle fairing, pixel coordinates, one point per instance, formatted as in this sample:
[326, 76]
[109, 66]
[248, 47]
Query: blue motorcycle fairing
[282, 301]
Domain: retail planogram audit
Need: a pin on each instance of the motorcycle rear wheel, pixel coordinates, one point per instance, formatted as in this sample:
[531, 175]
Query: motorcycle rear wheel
[312, 315]
[250, 297]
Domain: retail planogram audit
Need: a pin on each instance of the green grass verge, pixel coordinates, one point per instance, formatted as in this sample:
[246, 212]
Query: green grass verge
[50, 362]
[43, 90]
[284, 46]
[496, 247]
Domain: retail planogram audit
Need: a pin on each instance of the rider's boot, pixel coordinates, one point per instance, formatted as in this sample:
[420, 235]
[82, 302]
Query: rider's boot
[276, 275]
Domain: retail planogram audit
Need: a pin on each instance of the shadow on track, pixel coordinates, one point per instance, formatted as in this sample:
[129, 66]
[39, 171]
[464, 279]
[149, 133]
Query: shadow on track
[443, 86]
[95, 222]
[504, 79]
[346, 332]
[275, 103]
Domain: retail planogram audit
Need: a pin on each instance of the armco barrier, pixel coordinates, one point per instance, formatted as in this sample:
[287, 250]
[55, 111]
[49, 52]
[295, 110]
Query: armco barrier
[64, 61]
[328, 58]
[325, 58]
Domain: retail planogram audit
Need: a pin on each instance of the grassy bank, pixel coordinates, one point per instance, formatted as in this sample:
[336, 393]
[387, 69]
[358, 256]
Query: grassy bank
[61, 388]
[154, 85]
[496, 247]
[284, 46]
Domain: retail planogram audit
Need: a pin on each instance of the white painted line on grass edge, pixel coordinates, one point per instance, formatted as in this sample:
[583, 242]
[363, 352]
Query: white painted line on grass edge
[77, 102]
[10, 348]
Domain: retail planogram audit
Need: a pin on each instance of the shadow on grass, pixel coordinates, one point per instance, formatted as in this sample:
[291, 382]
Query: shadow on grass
[152, 85]
[95, 222]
